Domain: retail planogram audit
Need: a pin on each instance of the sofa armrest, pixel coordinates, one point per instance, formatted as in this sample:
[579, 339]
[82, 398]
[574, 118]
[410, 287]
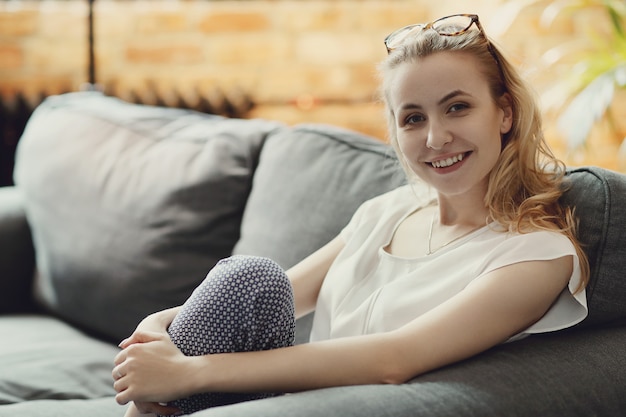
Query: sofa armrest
[568, 374]
[17, 256]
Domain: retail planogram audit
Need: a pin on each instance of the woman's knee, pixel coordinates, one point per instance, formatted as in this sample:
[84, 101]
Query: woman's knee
[264, 298]
[245, 303]
[255, 269]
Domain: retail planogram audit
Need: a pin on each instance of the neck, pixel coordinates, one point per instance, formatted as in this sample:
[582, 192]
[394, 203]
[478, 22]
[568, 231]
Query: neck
[448, 234]
[463, 212]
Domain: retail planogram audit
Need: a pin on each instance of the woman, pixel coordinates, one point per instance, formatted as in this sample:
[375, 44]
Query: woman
[415, 281]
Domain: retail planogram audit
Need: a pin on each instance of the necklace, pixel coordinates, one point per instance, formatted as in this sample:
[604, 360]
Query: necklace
[430, 236]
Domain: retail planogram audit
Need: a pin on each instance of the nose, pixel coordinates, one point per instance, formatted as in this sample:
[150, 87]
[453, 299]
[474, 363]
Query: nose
[438, 135]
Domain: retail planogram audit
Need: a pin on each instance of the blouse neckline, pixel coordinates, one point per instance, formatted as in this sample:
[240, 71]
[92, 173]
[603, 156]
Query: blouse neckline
[444, 249]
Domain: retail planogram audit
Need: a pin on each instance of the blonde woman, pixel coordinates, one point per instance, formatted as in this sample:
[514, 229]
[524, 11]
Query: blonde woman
[416, 280]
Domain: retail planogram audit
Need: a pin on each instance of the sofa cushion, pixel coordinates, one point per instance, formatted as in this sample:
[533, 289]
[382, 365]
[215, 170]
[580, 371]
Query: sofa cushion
[48, 359]
[599, 198]
[94, 407]
[564, 374]
[130, 205]
[309, 182]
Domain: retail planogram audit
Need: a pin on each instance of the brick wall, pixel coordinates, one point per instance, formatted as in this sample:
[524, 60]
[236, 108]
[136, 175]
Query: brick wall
[297, 60]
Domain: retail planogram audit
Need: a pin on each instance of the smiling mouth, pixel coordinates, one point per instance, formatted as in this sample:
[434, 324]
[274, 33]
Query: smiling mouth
[444, 163]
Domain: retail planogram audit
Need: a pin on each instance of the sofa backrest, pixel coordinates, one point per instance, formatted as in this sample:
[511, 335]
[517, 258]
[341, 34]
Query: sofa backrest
[599, 198]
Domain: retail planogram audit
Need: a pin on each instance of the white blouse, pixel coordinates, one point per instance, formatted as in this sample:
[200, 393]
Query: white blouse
[367, 290]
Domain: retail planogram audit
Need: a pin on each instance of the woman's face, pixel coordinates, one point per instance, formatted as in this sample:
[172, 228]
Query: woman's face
[448, 125]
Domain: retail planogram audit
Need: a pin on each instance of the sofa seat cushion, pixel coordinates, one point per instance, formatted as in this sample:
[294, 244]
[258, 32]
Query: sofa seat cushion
[95, 407]
[130, 205]
[43, 358]
[565, 374]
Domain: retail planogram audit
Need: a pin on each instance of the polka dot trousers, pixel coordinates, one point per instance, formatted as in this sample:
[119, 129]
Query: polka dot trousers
[244, 304]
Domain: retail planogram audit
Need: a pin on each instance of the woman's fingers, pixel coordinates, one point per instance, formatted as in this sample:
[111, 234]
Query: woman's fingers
[120, 358]
[126, 342]
[122, 398]
[141, 336]
[116, 373]
[143, 370]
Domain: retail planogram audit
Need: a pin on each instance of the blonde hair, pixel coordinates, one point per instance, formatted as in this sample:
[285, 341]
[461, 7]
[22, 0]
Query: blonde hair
[528, 180]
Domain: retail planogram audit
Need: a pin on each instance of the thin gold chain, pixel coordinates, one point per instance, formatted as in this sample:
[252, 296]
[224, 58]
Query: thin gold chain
[430, 236]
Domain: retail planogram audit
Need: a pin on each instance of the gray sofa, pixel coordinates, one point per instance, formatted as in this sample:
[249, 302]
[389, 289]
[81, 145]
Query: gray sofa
[120, 209]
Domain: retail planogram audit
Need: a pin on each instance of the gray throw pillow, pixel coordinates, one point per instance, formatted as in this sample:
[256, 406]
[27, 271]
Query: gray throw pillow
[130, 205]
[309, 182]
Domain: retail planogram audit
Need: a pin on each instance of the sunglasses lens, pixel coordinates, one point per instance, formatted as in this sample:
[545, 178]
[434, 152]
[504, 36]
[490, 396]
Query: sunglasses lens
[396, 38]
[453, 25]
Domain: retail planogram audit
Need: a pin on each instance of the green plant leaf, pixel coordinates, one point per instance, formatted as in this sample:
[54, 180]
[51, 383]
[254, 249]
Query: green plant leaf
[617, 11]
[595, 62]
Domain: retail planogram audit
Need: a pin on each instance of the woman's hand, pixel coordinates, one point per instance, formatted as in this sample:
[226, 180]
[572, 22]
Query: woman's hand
[147, 330]
[152, 369]
[154, 323]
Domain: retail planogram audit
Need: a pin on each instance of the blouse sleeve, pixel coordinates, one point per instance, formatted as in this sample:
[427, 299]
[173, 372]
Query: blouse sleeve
[347, 232]
[570, 307]
[373, 209]
[387, 205]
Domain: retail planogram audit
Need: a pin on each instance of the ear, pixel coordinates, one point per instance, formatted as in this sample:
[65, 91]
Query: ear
[506, 104]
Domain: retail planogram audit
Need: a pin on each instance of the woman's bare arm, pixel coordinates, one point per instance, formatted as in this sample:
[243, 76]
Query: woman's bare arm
[486, 313]
[308, 275]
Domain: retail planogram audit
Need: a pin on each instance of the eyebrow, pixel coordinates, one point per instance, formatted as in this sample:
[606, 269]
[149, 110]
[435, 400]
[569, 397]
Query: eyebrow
[450, 95]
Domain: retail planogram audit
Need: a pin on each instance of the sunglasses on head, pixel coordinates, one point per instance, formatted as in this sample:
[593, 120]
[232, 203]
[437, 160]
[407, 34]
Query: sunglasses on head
[453, 25]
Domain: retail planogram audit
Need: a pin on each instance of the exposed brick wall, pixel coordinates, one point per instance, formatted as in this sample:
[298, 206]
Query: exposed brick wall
[299, 60]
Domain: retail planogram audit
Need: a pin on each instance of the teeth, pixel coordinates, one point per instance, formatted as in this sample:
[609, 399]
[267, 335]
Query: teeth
[447, 162]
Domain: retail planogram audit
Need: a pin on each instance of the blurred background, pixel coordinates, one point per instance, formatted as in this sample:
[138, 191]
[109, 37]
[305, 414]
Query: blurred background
[301, 61]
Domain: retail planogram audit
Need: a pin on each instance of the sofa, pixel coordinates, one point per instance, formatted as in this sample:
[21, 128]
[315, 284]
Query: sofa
[120, 209]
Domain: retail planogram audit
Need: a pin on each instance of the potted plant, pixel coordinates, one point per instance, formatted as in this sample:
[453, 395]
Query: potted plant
[596, 64]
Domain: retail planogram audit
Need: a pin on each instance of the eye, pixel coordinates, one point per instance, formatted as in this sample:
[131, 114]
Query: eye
[458, 107]
[414, 118]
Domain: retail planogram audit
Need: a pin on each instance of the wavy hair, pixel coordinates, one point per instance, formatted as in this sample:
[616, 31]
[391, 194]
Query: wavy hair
[528, 180]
